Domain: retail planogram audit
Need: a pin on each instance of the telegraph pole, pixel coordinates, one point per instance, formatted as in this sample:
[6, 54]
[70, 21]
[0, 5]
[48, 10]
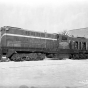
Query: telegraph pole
[45, 37]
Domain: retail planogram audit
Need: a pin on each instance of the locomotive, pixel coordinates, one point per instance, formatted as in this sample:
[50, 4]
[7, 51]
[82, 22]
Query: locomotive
[19, 44]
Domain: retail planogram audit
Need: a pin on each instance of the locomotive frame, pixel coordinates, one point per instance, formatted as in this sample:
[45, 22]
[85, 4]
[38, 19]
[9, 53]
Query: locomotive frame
[18, 44]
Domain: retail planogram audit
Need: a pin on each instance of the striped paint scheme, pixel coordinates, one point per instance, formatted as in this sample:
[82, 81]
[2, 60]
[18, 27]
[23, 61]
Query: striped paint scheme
[8, 34]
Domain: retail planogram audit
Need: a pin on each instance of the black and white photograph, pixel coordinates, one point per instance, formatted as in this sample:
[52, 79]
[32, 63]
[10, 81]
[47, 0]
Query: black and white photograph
[43, 43]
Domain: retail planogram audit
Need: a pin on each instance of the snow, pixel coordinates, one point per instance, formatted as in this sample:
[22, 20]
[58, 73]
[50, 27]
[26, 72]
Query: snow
[44, 74]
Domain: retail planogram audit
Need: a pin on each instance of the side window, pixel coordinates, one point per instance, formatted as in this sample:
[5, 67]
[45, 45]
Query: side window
[33, 33]
[76, 44]
[49, 35]
[42, 34]
[37, 34]
[71, 45]
[80, 45]
[27, 32]
[23, 32]
[83, 45]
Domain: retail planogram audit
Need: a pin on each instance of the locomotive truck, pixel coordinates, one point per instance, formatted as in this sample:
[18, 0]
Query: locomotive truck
[19, 44]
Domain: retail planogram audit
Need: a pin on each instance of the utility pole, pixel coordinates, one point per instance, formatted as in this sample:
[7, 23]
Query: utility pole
[45, 37]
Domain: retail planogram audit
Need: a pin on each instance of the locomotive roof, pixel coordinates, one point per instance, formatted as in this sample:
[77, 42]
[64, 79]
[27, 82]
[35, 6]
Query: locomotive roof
[83, 39]
[26, 29]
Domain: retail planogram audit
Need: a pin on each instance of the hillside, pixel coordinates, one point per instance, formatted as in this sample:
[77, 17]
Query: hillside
[81, 32]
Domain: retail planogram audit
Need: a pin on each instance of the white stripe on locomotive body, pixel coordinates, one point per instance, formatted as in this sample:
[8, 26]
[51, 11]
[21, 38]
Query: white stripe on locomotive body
[8, 34]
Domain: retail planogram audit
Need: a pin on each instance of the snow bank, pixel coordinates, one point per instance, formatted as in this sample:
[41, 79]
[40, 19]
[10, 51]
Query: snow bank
[47, 73]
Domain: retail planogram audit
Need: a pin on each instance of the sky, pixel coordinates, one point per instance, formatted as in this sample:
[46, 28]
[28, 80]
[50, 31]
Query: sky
[44, 15]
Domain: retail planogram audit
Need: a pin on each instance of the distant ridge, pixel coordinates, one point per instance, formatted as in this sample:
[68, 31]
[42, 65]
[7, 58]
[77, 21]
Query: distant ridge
[81, 32]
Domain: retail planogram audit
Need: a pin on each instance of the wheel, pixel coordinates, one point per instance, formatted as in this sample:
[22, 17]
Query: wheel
[74, 56]
[70, 56]
[16, 57]
[40, 56]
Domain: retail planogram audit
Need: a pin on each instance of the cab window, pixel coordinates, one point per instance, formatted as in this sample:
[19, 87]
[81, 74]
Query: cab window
[83, 45]
[76, 44]
[64, 38]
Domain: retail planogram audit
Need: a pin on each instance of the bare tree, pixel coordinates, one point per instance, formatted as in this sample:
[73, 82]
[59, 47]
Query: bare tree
[64, 32]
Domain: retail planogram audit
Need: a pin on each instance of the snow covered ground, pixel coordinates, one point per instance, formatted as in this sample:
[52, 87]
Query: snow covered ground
[44, 74]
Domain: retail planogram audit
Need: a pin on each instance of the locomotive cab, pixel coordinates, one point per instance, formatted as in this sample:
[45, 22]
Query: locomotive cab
[78, 48]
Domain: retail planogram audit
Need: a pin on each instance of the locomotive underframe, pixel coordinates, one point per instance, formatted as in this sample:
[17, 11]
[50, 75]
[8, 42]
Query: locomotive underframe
[78, 54]
[39, 53]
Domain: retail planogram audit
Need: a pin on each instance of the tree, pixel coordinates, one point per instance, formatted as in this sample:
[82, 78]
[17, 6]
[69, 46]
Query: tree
[64, 32]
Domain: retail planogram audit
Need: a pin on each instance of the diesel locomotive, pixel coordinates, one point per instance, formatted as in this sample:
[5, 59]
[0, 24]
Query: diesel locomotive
[19, 44]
